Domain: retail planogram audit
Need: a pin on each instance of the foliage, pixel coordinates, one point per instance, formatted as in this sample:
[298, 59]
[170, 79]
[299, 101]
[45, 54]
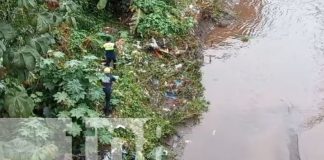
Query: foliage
[51, 54]
[159, 18]
[71, 82]
[102, 4]
[17, 102]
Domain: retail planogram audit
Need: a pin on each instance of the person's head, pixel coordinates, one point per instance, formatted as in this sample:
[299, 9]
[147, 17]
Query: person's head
[109, 39]
[107, 70]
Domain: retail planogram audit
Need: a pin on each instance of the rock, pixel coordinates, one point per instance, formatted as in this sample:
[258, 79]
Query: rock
[224, 23]
[225, 20]
[173, 141]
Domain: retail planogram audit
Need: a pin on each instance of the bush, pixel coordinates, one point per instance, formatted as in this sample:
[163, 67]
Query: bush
[159, 18]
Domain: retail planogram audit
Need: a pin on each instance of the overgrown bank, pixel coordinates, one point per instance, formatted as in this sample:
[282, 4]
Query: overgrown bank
[51, 64]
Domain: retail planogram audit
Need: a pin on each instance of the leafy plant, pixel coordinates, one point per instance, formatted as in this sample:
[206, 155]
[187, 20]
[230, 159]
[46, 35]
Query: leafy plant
[102, 4]
[17, 102]
[7, 32]
[27, 3]
[53, 64]
[159, 18]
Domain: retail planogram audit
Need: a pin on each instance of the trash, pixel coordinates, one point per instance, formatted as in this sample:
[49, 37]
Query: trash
[172, 103]
[171, 95]
[47, 111]
[142, 70]
[153, 46]
[172, 99]
[214, 132]
[120, 46]
[245, 38]
[178, 67]
[188, 141]
[107, 155]
[138, 45]
[155, 82]
[166, 109]
[178, 83]
[110, 30]
[172, 141]
[177, 51]
[121, 126]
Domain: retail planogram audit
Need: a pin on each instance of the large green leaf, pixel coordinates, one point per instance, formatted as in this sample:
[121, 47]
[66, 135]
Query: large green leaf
[71, 21]
[43, 23]
[42, 43]
[105, 137]
[69, 6]
[95, 94]
[74, 87]
[78, 112]
[25, 58]
[48, 152]
[17, 103]
[61, 97]
[17, 149]
[2, 48]
[102, 4]
[7, 31]
[137, 16]
[27, 3]
[75, 130]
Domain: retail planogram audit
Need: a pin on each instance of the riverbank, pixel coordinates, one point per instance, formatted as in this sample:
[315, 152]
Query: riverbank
[51, 65]
[178, 71]
[157, 76]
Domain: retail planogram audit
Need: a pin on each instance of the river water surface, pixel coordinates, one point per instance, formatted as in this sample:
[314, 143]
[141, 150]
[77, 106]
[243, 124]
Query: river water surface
[266, 94]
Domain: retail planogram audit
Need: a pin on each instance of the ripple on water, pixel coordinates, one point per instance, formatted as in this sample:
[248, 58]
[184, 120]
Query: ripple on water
[269, 91]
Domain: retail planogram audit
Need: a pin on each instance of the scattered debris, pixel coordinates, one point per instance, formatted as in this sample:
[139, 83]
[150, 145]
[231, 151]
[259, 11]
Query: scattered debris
[171, 95]
[173, 141]
[121, 126]
[166, 109]
[178, 67]
[110, 30]
[120, 46]
[245, 38]
[138, 45]
[188, 141]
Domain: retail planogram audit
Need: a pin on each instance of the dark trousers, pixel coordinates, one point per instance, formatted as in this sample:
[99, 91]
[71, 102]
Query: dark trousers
[108, 108]
[110, 57]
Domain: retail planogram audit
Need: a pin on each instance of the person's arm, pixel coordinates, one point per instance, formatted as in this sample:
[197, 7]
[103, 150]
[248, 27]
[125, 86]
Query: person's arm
[113, 78]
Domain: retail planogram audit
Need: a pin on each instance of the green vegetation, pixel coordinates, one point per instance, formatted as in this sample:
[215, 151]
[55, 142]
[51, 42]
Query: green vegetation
[50, 63]
[245, 38]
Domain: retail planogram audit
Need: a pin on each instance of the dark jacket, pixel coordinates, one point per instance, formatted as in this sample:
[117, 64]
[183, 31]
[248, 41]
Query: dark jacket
[108, 80]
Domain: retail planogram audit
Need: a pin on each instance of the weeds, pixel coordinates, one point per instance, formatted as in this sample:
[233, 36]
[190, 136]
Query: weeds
[65, 81]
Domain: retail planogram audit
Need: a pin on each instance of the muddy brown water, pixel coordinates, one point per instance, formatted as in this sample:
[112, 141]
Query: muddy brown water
[266, 94]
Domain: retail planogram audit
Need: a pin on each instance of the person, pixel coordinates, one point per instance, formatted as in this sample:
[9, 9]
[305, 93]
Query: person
[110, 53]
[107, 83]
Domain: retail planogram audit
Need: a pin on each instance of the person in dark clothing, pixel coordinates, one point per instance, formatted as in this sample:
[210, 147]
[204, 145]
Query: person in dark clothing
[107, 83]
[110, 53]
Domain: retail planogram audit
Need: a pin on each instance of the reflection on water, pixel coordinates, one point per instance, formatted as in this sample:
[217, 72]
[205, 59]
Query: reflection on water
[263, 92]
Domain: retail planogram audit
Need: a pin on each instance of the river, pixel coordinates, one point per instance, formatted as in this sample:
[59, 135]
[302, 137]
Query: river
[266, 95]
